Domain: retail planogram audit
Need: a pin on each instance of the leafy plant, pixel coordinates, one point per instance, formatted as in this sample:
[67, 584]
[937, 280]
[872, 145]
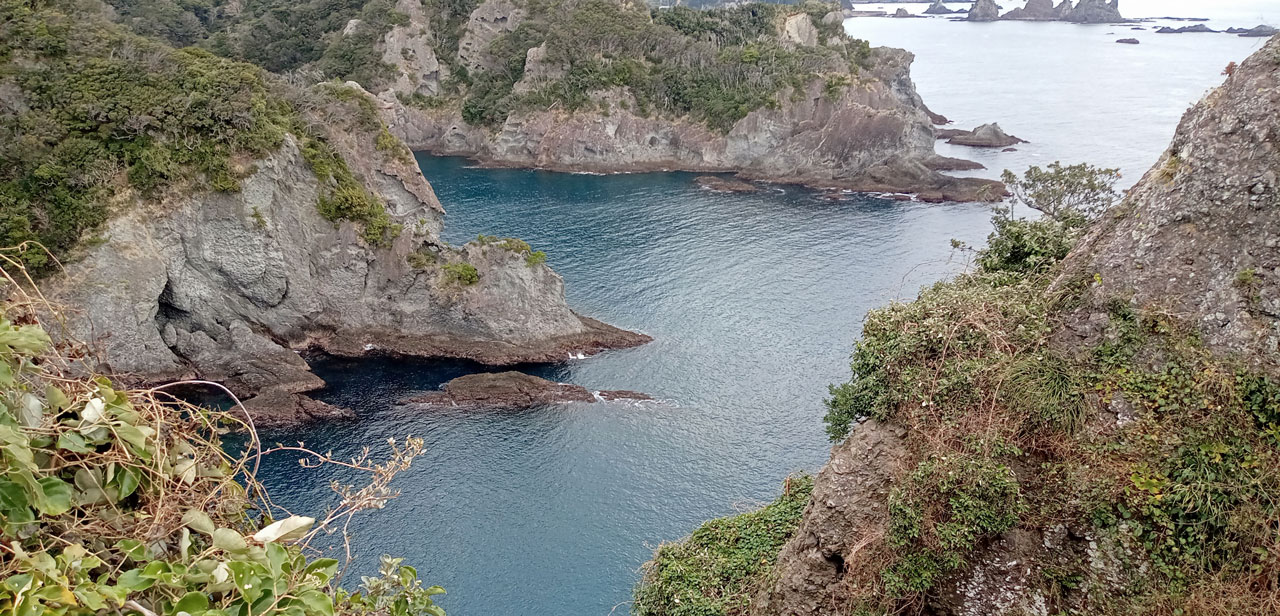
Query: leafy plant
[462, 273]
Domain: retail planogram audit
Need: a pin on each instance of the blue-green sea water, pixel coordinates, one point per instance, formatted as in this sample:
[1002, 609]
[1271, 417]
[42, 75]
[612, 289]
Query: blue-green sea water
[753, 301]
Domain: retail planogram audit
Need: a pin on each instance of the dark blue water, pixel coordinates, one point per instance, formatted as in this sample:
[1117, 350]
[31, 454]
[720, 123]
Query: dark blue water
[753, 302]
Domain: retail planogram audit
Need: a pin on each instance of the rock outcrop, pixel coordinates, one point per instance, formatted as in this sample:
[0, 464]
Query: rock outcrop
[408, 49]
[1128, 41]
[1035, 10]
[1095, 12]
[799, 30]
[511, 391]
[985, 136]
[1256, 31]
[873, 135]
[1199, 237]
[491, 19]
[984, 10]
[938, 8]
[228, 285]
[716, 183]
[1198, 28]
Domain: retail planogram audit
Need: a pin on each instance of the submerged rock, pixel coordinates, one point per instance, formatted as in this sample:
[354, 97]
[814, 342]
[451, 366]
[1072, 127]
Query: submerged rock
[278, 408]
[511, 391]
[717, 183]
[985, 136]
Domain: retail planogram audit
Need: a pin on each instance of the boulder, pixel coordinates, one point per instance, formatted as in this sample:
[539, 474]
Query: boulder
[985, 136]
[984, 10]
[902, 13]
[511, 391]
[799, 30]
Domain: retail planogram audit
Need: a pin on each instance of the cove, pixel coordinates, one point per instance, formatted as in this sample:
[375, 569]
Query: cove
[753, 300]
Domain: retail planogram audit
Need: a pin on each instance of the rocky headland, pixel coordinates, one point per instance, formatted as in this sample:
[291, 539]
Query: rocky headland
[511, 391]
[326, 237]
[852, 119]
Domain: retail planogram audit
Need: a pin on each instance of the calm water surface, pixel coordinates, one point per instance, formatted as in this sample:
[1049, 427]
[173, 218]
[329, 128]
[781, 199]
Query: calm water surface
[754, 302]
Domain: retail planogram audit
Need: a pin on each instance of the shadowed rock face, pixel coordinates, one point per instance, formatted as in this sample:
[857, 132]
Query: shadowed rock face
[1035, 10]
[1199, 235]
[985, 136]
[511, 391]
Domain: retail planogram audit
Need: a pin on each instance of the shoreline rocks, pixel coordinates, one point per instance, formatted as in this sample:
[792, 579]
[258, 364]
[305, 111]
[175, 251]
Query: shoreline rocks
[1198, 28]
[511, 391]
[1128, 41]
[984, 10]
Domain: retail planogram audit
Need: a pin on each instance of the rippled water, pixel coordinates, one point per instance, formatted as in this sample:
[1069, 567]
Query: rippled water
[754, 302]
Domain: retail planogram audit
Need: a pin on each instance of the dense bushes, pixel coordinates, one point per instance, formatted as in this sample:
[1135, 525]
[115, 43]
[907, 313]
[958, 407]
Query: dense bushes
[715, 66]
[96, 103]
[713, 571]
[1163, 454]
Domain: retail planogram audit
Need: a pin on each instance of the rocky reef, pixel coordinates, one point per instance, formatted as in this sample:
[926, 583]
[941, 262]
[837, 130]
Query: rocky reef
[985, 136]
[511, 391]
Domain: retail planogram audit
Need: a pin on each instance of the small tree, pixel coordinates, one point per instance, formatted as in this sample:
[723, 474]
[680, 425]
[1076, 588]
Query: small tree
[1063, 193]
[1068, 196]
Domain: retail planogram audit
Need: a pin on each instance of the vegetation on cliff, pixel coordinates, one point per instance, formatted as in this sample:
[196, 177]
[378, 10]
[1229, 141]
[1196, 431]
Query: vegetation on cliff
[712, 65]
[94, 117]
[125, 501]
[715, 569]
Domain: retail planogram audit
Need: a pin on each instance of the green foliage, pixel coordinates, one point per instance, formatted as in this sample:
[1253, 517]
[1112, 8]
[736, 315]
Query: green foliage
[461, 273]
[348, 199]
[396, 591]
[536, 258]
[966, 498]
[101, 109]
[115, 501]
[711, 573]
[1072, 194]
[714, 66]
[421, 259]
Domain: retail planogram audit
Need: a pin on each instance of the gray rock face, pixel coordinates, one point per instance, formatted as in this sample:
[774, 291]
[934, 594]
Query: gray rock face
[847, 511]
[872, 135]
[226, 286]
[538, 72]
[1035, 10]
[408, 49]
[984, 10]
[799, 30]
[1063, 10]
[491, 19]
[1096, 12]
[1197, 236]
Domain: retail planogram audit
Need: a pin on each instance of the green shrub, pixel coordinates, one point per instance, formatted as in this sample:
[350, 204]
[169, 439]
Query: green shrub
[534, 259]
[463, 273]
[711, 573]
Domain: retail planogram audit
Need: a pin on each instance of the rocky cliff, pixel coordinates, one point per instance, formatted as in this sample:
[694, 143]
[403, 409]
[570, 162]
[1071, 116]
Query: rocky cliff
[861, 128]
[1094, 435]
[1192, 247]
